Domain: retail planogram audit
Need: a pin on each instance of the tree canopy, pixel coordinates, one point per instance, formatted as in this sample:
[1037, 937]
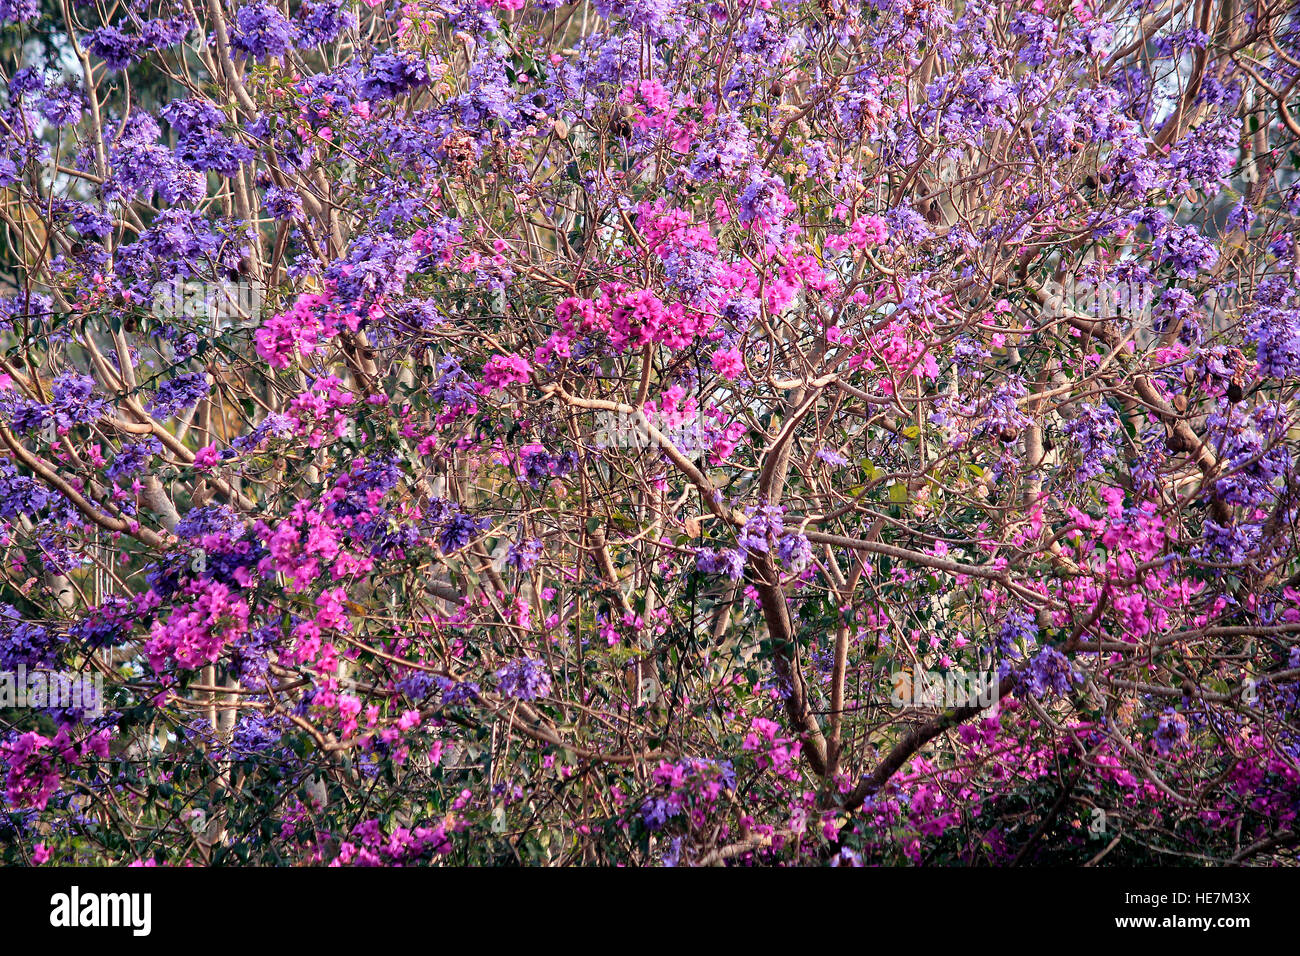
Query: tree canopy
[649, 432]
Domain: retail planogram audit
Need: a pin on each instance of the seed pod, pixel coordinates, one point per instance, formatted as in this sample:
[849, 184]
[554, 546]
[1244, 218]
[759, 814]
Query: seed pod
[561, 129]
[1009, 434]
[1180, 403]
[1234, 393]
[619, 125]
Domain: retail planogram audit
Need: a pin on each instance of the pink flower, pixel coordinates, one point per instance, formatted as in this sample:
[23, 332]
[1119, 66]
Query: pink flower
[651, 92]
[872, 230]
[728, 363]
[297, 331]
[195, 635]
[206, 457]
[503, 370]
[40, 853]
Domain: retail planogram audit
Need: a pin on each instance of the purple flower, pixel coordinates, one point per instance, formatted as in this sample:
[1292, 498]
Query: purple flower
[18, 11]
[1019, 632]
[133, 458]
[257, 733]
[1186, 250]
[457, 692]
[661, 19]
[62, 105]
[762, 199]
[763, 527]
[200, 144]
[524, 679]
[119, 48]
[794, 551]
[26, 80]
[654, 812]
[724, 152]
[74, 395]
[1276, 334]
[142, 167]
[1050, 670]
[74, 404]
[831, 457]
[22, 643]
[107, 625]
[907, 222]
[322, 22]
[1171, 731]
[377, 265]
[537, 465]
[729, 562]
[392, 75]
[1001, 414]
[261, 32]
[458, 530]
[179, 393]
[1094, 429]
[283, 204]
[21, 495]
[1207, 154]
[1241, 217]
[90, 221]
[524, 556]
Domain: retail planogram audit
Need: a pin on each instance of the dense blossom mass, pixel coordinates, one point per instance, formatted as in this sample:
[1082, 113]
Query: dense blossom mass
[650, 431]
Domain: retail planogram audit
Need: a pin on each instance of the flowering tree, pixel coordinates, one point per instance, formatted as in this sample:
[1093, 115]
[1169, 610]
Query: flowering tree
[536, 432]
